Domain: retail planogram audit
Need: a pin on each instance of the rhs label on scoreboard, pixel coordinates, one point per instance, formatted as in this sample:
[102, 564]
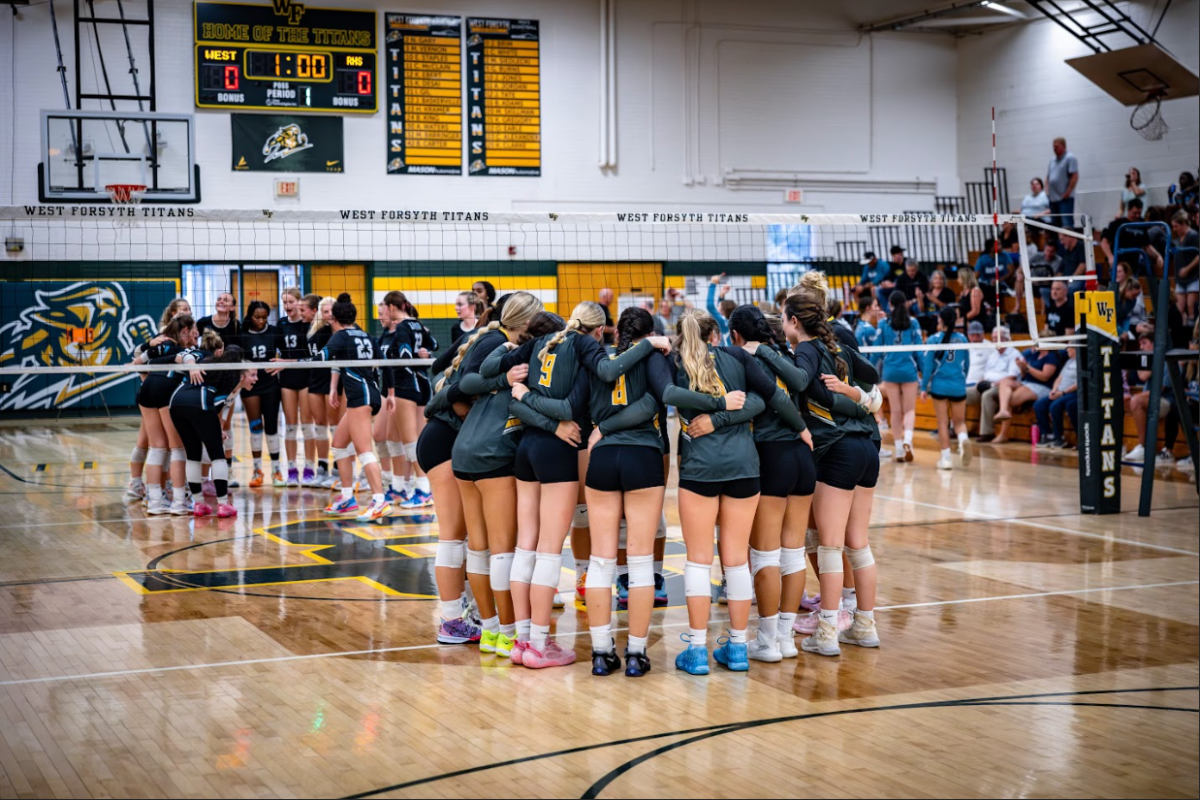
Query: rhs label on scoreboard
[287, 143]
[423, 55]
[504, 107]
[284, 55]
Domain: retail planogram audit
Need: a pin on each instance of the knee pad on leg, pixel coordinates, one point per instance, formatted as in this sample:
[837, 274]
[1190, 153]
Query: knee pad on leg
[501, 571]
[310, 431]
[368, 458]
[478, 562]
[138, 456]
[522, 567]
[450, 554]
[338, 453]
[396, 449]
[256, 438]
[256, 425]
[547, 569]
[661, 533]
[623, 536]
[791, 560]
[291, 433]
[321, 432]
[600, 573]
[696, 582]
[738, 583]
[156, 457]
[219, 470]
[178, 454]
[760, 559]
[410, 451]
[641, 571]
[272, 443]
[861, 558]
[829, 559]
[811, 541]
[580, 518]
[193, 472]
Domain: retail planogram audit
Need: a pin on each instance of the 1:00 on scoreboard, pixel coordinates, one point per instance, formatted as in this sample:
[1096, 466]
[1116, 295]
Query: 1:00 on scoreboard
[279, 78]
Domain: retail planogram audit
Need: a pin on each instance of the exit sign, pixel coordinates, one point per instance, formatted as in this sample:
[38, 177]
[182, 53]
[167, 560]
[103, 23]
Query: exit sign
[793, 195]
[290, 188]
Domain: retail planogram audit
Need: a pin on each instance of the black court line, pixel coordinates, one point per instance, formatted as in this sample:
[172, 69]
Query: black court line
[716, 730]
[45, 581]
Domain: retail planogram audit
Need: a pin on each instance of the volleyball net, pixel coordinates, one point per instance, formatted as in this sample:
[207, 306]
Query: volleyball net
[84, 285]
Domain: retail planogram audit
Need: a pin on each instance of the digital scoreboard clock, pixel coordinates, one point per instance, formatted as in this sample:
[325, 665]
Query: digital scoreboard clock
[283, 56]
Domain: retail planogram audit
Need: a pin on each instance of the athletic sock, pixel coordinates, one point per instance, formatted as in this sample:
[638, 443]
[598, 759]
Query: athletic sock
[602, 638]
[492, 624]
[868, 614]
[377, 498]
[849, 600]
[538, 634]
[508, 630]
[580, 567]
[769, 627]
[423, 485]
[258, 463]
[829, 616]
[637, 644]
[962, 436]
[397, 483]
[786, 621]
[908, 436]
[347, 492]
[451, 609]
[737, 637]
[698, 637]
[946, 453]
[523, 630]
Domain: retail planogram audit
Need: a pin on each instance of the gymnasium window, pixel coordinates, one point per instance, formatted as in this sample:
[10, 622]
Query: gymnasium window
[789, 255]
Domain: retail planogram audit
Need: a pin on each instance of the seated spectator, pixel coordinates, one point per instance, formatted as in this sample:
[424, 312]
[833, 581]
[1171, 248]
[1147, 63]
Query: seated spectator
[1187, 266]
[974, 303]
[1036, 204]
[1038, 368]
[986, 266]
[1073, 256]
[1138, 405]
[1131, 240]
[895, 267]
[913, 283]
[1184, 192]
[931, 301]
[999, 364]
[1045, 264]
[1133, 189]
[1131, 308]
[1009, 238]
[1060, 311]
[1063, 399]
[874, 272]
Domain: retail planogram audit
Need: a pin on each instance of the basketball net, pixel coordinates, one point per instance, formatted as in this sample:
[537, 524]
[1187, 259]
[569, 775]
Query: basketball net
[127, 195]
[1147, 118]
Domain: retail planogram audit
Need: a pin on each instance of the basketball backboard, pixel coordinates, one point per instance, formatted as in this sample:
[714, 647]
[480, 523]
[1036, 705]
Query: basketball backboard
[83, 151]
[1133, 74]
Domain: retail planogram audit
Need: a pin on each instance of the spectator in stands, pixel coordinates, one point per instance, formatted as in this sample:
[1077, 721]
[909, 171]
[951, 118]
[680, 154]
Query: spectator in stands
[913, 283]
[605, 299]
[1131, 308]
[986, 266]
[900, 373]
[874, 272]
[896, 270]
[486, 292]
[1131, 240]
[1045, 264]
[1037, 370]
[1060, 310]
[468, 307]
[1036, 204]
[668, 315]
[1062, 400]
[1061, 177]
[931, 301]
[1001, 363]
[1184, 192]
[975, 334]
[1074, 262]
[1133, 189]
[720, 311]
[1010, 238]
[1138, 405]
[1187, 266]
[974, 301]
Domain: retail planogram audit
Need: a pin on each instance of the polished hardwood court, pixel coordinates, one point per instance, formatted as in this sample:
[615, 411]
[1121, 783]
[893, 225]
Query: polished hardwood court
[1026, 650]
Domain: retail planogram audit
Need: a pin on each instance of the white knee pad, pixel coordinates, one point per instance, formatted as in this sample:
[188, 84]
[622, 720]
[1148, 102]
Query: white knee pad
[178, 454]
[310, 431]
[522, 567]
[761, 559]
[138, 456]
[338, 453]
[580, 519]
[156, 457]
[811, 541]
[395, 449]
[321, 432]
[623, 536]
[547, 569]
[272, 443]
[861, 558]
[220, 470]
[600, 573]
[641, 572]
[791, 560]
[193, 472]
[661, 533]
[368, 458]
[410, 451]
[256, 441]
[696, 582]
[450, 554]
[478, 562]
[738, 583]
[501, 571]
[291, 433]
[829, 559]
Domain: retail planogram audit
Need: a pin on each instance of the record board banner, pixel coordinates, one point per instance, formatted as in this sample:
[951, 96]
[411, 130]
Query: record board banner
[287, 143]
[504, 97]
[423, 55]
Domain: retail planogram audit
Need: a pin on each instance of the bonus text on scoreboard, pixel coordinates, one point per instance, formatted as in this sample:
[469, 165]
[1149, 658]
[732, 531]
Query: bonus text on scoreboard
[423, 57]
[285, 55]
[504, 97]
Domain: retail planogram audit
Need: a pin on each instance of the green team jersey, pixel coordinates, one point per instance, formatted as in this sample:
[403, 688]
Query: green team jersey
[489, 435]
[828, 422]
[440, 406]
[800, 385]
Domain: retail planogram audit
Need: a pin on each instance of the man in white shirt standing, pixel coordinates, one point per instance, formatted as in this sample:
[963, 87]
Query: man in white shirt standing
[999, 364]
[1061, 177]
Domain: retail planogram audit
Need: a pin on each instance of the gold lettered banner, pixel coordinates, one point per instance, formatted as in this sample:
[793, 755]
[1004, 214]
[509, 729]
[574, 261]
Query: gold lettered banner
[287, 143]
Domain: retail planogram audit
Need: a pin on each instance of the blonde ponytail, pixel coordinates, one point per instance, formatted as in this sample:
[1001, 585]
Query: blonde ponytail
[462, 352]
[695, 328]
[319, 320]
[585, 318]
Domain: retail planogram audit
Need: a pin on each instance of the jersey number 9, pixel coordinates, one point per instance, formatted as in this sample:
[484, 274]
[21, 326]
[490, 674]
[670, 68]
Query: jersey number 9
[547, 369]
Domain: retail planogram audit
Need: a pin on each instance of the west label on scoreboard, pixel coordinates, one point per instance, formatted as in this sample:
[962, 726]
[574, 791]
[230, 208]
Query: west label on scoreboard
[423, 57]
[504, 105]
[284, 56]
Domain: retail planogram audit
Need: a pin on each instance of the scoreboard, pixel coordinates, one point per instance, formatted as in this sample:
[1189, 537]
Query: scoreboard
[284, 56]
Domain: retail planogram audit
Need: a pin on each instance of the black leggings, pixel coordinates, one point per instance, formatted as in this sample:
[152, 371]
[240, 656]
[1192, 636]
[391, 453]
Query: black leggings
[200, 429]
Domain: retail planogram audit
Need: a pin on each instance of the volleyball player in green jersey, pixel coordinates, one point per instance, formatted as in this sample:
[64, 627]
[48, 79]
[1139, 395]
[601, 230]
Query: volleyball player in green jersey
[719, 482]
[847, 460]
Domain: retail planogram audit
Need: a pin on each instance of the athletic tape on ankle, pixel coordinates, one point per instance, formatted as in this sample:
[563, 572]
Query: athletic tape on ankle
[760, 559]
[791, 560]
[641, 572]
[501, 571]
[522, 567]
[861, 558]
[738, 583]
[580, 518]
[410, 451]
[661, 533]
[696, 582]
[291, 433]
[138, 456]
[193, 472]
[478, 562]
[829, 559]
[623, 536]
[368, 458]
[156, 457]
[547, 569]
[178, 454]
[600, 573]
[450, 554]
[811, 540]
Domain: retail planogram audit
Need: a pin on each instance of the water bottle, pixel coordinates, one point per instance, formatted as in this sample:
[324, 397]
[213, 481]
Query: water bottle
[1035, 435]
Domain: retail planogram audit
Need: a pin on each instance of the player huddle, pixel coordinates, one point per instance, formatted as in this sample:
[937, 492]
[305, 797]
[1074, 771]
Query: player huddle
[533, 430]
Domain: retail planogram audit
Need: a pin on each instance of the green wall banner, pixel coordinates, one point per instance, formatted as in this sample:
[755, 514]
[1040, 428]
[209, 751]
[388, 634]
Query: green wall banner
[287, 143]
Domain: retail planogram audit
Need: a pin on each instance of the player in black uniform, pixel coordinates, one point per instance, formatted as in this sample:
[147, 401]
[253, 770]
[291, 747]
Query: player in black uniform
[263, 345]
[392, 468]
[363, 400]
[319, 310]
[413, 390]
[229, 329]
[293, 384]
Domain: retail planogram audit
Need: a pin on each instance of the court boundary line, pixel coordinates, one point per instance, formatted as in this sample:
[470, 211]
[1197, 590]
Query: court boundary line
[566, 634]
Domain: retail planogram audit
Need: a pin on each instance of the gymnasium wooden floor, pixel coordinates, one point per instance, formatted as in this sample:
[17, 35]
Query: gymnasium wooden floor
[1027, 651]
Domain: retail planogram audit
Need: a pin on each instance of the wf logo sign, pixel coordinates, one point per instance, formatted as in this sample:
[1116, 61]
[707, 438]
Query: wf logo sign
[286, 8]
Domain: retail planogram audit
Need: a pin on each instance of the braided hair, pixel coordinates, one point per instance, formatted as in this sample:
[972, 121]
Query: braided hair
[634, 324]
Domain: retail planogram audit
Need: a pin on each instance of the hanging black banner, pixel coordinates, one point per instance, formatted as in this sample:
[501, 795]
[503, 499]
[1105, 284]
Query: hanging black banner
[287, 143]
[504, 97]
[424, 94]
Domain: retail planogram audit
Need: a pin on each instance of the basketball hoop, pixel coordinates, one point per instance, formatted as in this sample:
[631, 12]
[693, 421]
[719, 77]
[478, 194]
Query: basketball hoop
[127, 195]
[1147, 118]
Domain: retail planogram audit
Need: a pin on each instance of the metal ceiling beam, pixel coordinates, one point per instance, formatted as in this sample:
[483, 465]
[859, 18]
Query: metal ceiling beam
[897, 23]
